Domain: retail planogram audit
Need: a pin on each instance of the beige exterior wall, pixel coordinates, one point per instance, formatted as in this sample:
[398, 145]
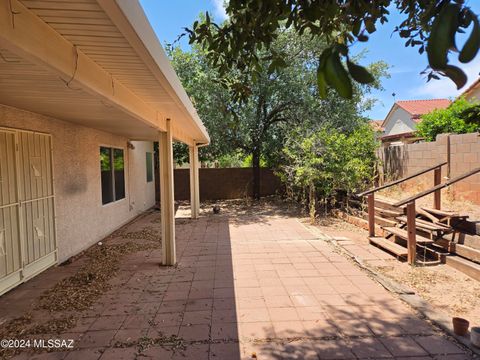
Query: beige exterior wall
[474, 94]
[399, 122]
[81, 219]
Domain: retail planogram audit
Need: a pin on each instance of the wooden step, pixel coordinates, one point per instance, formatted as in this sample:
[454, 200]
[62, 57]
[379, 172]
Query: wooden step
[401, 233]
[467, 267]
[385, 222]
[388, 245]
[387, 213]
[426, 225]
[445, 215]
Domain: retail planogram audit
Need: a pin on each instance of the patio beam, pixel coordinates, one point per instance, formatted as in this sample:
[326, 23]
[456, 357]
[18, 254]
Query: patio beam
[194, 182]
[25, 34]
[167, 206]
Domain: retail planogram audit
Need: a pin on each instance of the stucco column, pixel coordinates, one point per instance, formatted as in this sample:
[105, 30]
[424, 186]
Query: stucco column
[167, 205]
[194, 182]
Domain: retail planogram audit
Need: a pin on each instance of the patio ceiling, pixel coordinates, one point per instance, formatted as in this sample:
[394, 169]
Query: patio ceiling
[94, 62]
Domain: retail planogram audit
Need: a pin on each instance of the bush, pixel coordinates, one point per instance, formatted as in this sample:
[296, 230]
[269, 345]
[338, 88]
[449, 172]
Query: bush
[327, 162]
[458, 118]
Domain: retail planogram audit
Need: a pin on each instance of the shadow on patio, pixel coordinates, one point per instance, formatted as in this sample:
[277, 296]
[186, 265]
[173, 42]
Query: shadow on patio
[257, 284]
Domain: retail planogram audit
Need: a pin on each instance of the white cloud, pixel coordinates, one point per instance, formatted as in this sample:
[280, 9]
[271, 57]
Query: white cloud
[445, 88]
[219, 10]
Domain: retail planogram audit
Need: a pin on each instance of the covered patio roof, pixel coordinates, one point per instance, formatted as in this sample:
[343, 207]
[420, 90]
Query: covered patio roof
[93, 62]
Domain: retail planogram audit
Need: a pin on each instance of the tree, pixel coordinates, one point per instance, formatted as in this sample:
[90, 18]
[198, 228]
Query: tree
[254, 26]
[325, 161]
[461, 117]
[279, 99]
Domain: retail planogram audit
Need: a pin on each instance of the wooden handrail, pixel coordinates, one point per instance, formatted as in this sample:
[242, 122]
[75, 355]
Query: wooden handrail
[437, 187]
[402, 180]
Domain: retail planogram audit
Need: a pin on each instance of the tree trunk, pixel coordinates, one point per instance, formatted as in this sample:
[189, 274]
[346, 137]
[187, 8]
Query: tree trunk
[312, 198]
[256, 173]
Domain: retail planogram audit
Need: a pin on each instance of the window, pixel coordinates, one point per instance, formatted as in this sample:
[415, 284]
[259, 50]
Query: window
[149, 167]
[112, 166]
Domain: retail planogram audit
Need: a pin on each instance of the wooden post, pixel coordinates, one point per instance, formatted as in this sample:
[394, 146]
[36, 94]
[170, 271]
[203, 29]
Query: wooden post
[412, 231]
[167, 205]
[371, 214]
[437, 196]
[194, 182]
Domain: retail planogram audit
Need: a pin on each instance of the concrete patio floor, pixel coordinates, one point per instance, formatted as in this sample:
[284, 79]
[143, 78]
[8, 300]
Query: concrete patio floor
[245, 286]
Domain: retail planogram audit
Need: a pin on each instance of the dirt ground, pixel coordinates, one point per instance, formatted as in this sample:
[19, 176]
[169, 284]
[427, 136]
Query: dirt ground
[445, 288]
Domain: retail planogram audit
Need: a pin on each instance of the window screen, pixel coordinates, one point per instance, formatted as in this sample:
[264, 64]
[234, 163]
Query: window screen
[149, 167]
[112, 166]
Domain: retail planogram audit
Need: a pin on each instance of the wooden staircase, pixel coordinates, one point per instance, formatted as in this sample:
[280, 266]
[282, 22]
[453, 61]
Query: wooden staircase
[417, 234]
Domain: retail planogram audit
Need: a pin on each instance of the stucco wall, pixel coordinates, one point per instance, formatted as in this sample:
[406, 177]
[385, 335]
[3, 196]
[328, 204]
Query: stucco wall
[474, 94]
[399, 122]
[81, 219]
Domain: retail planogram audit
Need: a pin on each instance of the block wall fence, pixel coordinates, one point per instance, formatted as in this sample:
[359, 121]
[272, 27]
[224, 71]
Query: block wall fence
[400, 161]
[226, 183]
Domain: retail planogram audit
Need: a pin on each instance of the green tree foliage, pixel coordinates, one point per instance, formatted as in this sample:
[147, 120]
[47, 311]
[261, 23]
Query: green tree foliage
[326, 162]
[244, 42]
[280, 98]
[461, 117]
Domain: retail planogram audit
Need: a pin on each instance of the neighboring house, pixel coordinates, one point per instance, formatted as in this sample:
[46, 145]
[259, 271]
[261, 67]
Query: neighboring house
[400, 124]
[473, 91]
[85, 90]
[376, 126]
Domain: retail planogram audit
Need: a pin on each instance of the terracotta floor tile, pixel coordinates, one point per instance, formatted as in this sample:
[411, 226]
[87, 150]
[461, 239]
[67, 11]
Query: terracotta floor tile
[128, 336]
[278, 301]
[403, 346]
[283, 314]
[194, 332]
[256, 330]
[79, 354]
[168, 319]
[100, 338]
[241, 279]
[197, 317]
[225, 331]
[253, 315]
[369, 348]
[229, 351]
[288, 329]
[438, 345]
[333, 349]
[120, 354]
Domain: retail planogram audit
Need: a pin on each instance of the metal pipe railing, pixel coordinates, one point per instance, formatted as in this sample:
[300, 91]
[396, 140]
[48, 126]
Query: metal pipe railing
[395, 182]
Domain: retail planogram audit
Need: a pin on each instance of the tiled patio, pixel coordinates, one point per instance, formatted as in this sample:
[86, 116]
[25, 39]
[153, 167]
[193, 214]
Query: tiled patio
[245, 287]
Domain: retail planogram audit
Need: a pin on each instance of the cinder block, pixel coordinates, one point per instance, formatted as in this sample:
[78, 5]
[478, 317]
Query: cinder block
[464, 148]
[471, 157]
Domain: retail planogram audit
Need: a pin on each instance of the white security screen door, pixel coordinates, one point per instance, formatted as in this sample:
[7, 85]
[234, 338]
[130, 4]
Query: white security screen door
[27, 206]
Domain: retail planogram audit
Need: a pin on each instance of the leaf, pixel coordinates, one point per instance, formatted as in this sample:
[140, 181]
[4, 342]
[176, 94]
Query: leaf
[321, 83]
[442, 36]
[470, 49]
[337, 76]
[359, 73]
[456, 75]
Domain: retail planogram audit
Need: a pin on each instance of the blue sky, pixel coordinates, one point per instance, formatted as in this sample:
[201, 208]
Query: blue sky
[168, 19]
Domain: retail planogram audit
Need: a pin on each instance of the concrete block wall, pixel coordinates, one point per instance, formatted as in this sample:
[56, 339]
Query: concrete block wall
[226, 183]
[401, 161]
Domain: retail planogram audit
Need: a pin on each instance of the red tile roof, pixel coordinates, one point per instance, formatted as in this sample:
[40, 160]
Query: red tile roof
[420, 107]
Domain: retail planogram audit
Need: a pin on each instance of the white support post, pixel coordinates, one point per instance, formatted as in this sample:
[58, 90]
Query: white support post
[167, 205]
[194, 182]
